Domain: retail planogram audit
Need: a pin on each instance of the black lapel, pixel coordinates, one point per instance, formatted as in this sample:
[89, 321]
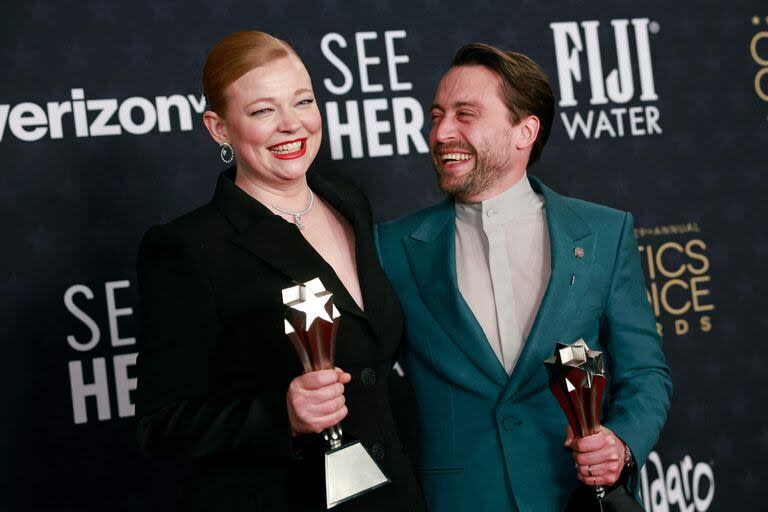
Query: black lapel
[276, 241]
[378, 298]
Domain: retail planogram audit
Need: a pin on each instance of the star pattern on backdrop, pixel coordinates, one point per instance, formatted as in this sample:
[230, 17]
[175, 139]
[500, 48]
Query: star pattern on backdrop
[41, 239]
[76, 55]
[137, 52]
[510, 37]
[739, 405]
[763, 438]
[101, 10]
[330, 7]
[723, 446]
[23, 56]
[749, 481]
[40, 10]
[383, 6]
[162, 10]
[221, 9]
[696, 414]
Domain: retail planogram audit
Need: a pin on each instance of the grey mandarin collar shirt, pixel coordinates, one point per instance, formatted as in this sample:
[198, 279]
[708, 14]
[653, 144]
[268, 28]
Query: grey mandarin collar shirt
[503, 265]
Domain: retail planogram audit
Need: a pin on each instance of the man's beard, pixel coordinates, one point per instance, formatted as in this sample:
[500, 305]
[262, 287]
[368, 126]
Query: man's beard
[488, 167]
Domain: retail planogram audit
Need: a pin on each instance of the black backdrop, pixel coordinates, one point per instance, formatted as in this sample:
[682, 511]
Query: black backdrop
[677, 136]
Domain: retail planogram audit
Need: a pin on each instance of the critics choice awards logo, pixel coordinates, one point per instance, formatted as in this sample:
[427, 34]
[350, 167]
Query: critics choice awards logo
[758, 48]
[677, 270]
[621, 102]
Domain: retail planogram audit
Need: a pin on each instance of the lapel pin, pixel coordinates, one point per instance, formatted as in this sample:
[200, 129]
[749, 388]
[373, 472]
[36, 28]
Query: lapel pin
[578, 252]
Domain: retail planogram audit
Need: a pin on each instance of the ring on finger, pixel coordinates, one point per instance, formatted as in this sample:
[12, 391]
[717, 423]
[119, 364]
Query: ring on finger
[594, 481]
[589, 470]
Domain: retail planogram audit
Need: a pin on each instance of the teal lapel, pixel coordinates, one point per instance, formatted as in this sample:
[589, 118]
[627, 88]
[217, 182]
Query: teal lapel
[568, 281]
[431, 252]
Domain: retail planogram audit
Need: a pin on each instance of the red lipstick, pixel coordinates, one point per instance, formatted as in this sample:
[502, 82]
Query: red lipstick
[293, 154]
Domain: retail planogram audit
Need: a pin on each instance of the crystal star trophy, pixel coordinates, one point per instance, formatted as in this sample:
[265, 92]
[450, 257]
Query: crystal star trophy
[577, 379]
[311, 323]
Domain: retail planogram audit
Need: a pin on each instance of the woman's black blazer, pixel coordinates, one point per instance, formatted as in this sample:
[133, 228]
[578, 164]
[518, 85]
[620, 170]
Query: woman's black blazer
[214, 363]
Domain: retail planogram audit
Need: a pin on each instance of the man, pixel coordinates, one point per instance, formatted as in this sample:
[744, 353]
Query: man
[490, 280]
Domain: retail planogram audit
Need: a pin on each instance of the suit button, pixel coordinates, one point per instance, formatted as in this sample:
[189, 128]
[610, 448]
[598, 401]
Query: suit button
[368, 376]
[511, 422]
[377, 451]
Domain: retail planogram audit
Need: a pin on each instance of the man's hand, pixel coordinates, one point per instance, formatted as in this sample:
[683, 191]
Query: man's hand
[316, 401]
[599, 457]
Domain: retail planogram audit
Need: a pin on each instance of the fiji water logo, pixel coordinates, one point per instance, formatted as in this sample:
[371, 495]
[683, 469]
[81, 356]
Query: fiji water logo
[578, 44]
[687, 486]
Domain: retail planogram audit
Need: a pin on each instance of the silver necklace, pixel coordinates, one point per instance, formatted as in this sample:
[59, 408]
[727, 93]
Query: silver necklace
[297, 215]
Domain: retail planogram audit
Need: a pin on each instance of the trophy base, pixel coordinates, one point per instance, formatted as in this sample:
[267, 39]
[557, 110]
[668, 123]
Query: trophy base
[349, 472]
[617, 499]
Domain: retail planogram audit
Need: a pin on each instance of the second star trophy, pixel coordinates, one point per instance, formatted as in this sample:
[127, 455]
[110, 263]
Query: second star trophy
[311, 323]
[577, 379]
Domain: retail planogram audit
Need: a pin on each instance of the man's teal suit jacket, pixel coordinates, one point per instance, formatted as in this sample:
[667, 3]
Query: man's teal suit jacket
[489, 442]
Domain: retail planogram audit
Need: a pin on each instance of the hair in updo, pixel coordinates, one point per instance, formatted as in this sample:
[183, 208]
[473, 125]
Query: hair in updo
[234, 56]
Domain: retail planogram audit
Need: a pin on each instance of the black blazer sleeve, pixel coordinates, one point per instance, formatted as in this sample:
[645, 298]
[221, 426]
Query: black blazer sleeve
[178, 414]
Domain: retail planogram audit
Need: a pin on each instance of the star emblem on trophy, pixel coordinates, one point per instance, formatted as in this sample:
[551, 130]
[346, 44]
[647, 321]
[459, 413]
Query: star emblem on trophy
[311, 323]
[577, 379]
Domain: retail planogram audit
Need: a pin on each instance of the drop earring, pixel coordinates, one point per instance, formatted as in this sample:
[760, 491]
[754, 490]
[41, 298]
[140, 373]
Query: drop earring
[227, 153]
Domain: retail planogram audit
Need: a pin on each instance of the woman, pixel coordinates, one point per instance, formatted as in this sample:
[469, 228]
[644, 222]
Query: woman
[220, 383]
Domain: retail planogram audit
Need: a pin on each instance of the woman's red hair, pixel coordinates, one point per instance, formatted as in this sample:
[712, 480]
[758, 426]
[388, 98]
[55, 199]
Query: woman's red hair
[234, 56]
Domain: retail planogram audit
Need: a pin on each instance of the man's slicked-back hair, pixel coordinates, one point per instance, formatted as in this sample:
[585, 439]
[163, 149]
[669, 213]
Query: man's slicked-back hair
[525, 86]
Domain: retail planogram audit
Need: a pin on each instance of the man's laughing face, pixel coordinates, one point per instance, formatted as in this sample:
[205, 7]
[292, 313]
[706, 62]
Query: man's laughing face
[471, 136]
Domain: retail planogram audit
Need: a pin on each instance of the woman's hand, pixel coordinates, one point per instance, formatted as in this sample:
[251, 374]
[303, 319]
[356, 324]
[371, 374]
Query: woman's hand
[316, 401]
